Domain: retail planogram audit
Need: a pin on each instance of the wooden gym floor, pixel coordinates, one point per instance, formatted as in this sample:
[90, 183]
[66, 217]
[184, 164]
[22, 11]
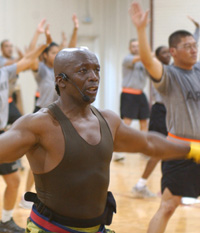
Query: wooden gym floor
[133, 215]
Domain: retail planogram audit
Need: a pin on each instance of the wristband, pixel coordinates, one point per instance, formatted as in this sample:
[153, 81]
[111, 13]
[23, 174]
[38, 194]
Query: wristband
[194, 152]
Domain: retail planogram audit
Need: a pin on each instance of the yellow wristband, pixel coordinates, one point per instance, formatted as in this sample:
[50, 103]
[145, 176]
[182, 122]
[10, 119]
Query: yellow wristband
[194, 152]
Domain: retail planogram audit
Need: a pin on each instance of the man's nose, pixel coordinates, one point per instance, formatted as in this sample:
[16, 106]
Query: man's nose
[92, 75]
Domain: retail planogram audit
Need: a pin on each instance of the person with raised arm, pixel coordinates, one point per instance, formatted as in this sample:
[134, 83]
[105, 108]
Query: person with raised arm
[179, 85]
[9, 169]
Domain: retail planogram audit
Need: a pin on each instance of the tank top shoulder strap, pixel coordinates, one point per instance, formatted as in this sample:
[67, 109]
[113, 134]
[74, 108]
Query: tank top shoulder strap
[96, 112]
[64, 122]
[57, 112]
[101, 118]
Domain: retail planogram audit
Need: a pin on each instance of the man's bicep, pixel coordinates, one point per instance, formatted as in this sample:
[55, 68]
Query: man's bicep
[155, 69]
[128, 139]
[15, 143]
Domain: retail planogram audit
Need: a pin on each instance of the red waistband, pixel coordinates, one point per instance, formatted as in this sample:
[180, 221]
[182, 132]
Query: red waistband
[43, 223]
[183, 139]
[131, 91]
[37, 94]
[10, 100]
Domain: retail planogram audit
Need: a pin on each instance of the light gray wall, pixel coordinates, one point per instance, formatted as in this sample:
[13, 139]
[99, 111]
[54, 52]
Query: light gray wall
[171, 15]
[107, 35]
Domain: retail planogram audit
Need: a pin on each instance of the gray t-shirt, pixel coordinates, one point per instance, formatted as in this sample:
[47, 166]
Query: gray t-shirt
[156, 96]
[180, 90]
[134, 75]
[46, 85]
[3, 61]
[6, 73]
[12, 81]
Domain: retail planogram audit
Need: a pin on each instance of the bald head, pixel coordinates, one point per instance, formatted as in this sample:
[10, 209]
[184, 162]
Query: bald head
[74, 62]
[69, 57]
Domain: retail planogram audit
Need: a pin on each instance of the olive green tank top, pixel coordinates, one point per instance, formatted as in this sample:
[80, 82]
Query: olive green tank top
[77, 187]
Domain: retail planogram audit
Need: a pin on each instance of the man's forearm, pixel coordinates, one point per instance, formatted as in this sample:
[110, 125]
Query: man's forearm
[73, 41]
[29, 58]
[159, 147]
[144, 47]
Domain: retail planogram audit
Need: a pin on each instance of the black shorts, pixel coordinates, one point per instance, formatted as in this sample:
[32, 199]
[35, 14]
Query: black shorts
[7, 168]
[14, 113]
[134, 106]
[181, 177]
[157, 120]
[36, 109]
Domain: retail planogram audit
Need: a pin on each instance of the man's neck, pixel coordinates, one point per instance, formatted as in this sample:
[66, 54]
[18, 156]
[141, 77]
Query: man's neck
[8, 57]
[183, 66]
[72, 109]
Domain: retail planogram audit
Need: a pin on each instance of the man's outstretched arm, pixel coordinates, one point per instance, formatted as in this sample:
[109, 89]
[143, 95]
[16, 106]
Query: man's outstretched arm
[127, 139]
[17, 141]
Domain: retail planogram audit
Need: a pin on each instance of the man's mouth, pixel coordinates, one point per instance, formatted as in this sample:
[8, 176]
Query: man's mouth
[92, 89]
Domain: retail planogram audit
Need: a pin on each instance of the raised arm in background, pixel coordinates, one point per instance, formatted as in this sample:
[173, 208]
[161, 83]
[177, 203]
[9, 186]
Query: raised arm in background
[32, 54]
[197, 28]
[73, 41]
[40, 29]
[63, 43]
[140, 20]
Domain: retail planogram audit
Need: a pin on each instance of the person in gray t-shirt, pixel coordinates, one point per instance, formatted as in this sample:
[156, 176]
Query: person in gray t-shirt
[9, 170]
[134, 104]
[7, 59]
[43, 70]
[7, 73]
[133, 101]
[179, 86]
[44, 76]
[157, 122]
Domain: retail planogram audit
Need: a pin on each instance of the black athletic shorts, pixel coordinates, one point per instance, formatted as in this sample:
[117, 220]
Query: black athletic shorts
[14, 113]
[157, 120]
[181, 177]
[134, 106]
[7, 168]
[36, 109]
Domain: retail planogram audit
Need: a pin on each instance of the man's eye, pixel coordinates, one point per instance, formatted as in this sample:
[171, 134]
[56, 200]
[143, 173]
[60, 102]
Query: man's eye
[83, 71]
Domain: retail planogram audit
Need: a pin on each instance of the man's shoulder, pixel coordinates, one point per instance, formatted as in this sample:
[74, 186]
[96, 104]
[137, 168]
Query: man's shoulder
[172, 69]
[42, 118]
[128, 57]
[6, 71]
[106, 112]
[109, 115]
[197, 65]
[42, 114]
[2, 58]
[9, 67]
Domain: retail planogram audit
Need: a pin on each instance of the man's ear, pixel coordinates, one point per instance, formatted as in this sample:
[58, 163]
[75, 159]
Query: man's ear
[60, 82]
[44, 56]
[172, 51]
